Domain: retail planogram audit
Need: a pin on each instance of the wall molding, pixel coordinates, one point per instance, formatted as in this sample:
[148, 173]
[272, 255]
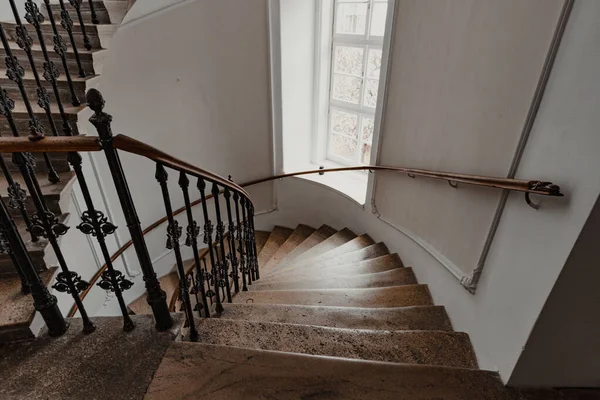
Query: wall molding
[470, 281]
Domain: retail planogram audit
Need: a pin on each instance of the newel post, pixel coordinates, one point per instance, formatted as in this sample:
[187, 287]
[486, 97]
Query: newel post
[156, 296]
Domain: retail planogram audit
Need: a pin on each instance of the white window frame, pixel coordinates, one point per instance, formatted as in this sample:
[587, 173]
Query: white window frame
[326, 41]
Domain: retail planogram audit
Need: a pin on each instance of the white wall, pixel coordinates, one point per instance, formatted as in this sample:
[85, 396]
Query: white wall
[145, 8]
[197, 88]
[530, 247]
[6, 14]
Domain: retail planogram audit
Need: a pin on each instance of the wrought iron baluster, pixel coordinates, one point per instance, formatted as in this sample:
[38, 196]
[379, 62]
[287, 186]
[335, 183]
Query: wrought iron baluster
[207, 277]
[5, 249]
[173, 235]
[208, 229]
[93, 222]
[156, 296]
[220, 238]
[24, 41]
[95, 19]
[245, 232]
[240, 240]
[193, 230]
[252, 237]
[47, 225]
[60, 47]
[232, 251]
[67, 22]
[45, 303]
[51, 73]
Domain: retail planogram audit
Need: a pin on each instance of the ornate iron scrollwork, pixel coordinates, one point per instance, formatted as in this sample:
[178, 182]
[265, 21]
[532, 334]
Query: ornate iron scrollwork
[33, 14]
[174, 232]
[4, 244]
[6, 103]
[65, 279]
[24, 40]
[90, 222]
[192, 231]
[37, 225]
[14, 70]
[51, 73]
[208, 230]
[106, 281]
[220, 234]
[60, 46]
[16, 196]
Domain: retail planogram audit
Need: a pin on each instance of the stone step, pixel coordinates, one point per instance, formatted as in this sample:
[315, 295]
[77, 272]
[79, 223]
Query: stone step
[395, 296]
[299, 235]
[450, 349]
[198, 370]
[332, 242]
[48, 35]
[399, 318]
[277, 237]
[379, 264]
[261, 239]
[86, 12]
[37, 250]
[17, 311]
[169, 283]
[353, 245]
[86, 57]
[394, 277]
[21, 118]
[370, 252]
[314, 239]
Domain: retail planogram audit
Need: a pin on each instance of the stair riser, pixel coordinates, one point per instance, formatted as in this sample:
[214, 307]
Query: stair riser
[31, 91]
[22, 123]
[52, 202]
[48, 36]
[37, 257]
[87, 61]
[86, 14]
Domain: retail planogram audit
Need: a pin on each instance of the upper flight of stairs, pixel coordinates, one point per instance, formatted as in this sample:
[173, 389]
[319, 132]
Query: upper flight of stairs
[334, 315]
[17, 315]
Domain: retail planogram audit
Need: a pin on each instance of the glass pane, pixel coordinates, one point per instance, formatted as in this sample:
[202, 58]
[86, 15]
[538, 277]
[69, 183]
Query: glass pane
[378, 19]
[371, 93]
[346, 88]
[365, 153]
[374, 64]
[368, 125]
[351, 18]
[349, 60]
[343, 146]
[344, 123]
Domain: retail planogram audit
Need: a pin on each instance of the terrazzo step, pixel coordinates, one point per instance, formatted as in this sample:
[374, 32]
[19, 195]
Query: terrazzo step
[374, 265]
[36, 250]
[86, 57]
[277, 237]
[48, 34]
[451, 349]
[86, 12]
[358, 243]
[314, 239]
[395, 296]
[261, 239]
[394, 277]
[17, 311]
[56, 195]
[299, 235]
[66, 97]
[399, 318]
[332, 242]
[195, 371]
[370, 252]
[169, 283]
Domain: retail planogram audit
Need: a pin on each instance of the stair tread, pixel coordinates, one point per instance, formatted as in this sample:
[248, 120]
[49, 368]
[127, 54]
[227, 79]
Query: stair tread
[169, 283]
[67, 178]
[379, 264]
[369, 252]
[21, 109]
[28, 76]
[359, 242]
[300, 234]
[314, 239]
[335, 240]
[399, 276]
[197, 370]
[398, 318]
[394, 296]
[277, 237]
[451, 349]
[17, 309]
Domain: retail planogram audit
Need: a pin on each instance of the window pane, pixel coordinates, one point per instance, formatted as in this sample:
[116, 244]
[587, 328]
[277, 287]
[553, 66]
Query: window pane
[343, 146]
[365, 153]
[349, 60]
[371, 93]
[351, 18]
[374, 64]
[368, 124]
[346, 88]
[378, 19]
[344, 123]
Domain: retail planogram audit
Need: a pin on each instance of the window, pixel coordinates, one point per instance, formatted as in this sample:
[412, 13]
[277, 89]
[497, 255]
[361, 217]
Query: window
[357, 40]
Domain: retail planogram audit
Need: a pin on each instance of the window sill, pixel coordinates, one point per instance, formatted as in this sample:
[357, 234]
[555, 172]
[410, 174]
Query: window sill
[353, 184]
